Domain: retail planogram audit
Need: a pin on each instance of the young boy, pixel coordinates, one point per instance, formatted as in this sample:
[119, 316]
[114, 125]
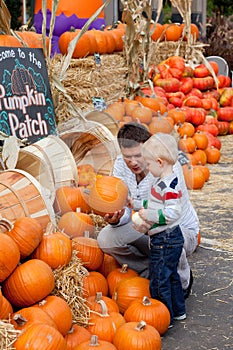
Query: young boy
[160, 219]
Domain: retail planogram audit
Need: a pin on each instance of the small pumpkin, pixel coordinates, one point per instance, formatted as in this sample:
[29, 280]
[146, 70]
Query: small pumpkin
[194, 177]
[69, 199]
[213, 155]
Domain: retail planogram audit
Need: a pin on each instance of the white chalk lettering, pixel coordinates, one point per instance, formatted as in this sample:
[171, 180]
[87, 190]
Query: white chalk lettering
[32, 97]
[29, 127]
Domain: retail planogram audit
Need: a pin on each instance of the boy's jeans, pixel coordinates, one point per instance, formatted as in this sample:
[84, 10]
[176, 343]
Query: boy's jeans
[165, 284]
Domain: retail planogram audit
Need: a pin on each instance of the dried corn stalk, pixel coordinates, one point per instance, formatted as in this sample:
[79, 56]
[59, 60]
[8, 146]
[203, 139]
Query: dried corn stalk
[69, 286]
[8, 335]
[136, 40]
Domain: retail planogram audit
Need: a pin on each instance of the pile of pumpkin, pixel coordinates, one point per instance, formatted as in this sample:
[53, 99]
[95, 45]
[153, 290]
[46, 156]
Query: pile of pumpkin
[122, 313]
[186, 100]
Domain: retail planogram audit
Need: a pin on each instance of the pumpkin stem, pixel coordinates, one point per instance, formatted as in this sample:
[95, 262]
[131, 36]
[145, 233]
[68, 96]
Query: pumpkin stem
[5, 224]
[20, 320]
[94, 341]
[104, 309]
[146, 301]
[140, 326]
[50, 228]
[124, 268]
[98, 296]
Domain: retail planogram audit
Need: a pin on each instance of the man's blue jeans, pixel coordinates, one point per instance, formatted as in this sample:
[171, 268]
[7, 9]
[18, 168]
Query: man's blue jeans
[165, 284]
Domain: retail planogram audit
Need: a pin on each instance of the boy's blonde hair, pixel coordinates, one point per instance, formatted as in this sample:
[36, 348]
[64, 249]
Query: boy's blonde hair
[161, 145]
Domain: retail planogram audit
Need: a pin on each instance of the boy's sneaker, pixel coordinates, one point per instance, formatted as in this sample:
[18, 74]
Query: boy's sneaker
[180, 318]
[188, 290]
[170, 326]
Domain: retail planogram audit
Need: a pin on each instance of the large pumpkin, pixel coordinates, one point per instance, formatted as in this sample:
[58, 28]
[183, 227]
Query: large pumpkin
[60, 312]
[55, 249]
[130, 289]
[118, 275]
[9, 256]
[27, 234]
[28, 283]
[107, 195]
[75, 224]
[40, 337]
[150, 310]
[89, 252]
[137, 336]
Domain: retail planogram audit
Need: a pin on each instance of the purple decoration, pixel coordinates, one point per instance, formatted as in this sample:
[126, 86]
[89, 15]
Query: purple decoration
[63, 23]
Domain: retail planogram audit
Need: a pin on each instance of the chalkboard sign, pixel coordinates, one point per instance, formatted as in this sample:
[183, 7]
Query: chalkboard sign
[26, 106]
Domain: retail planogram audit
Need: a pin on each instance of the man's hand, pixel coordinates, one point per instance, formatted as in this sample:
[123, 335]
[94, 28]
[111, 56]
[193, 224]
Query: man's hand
[114, 218]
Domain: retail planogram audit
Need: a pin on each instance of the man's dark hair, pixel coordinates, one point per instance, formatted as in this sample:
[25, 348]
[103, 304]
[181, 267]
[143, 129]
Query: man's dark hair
[131, 134]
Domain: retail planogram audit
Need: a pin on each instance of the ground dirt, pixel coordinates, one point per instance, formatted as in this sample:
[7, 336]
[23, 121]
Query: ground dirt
[209, 323]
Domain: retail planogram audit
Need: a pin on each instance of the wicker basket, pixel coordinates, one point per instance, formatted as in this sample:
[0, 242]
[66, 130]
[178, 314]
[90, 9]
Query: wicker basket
[51, 162]
[22, 195]
[90, 143]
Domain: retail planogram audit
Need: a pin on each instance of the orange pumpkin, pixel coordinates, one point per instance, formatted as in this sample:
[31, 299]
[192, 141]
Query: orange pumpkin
[150, 310]
[109, 264]
[94, 282]
[118, 275]
[194, 177]
[137, 336]
[55, 249]
[142, 115]
[27, 316]
[76, 335]
[187, 144]
[39, 337]
[27, 234]
[96, 343]
[130, 289]
[69, 199]
[201, 140]
[213, 155]
[88, 250]
[94, 303]
[59, 311]
[9, 256]
[6, 308]
[105, 323]
[160, 124]
[107, 195]
[28, 283]
[75, 224]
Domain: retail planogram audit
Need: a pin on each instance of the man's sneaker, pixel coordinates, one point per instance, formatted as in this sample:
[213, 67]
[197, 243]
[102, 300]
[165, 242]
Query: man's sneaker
[188, 290]
[180, 318]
